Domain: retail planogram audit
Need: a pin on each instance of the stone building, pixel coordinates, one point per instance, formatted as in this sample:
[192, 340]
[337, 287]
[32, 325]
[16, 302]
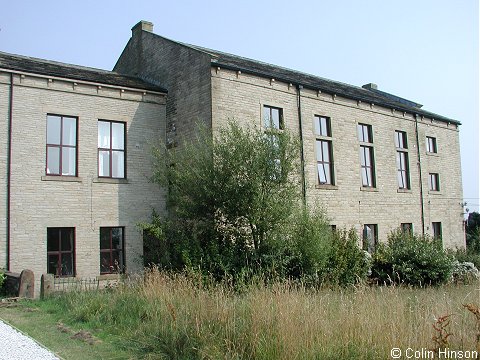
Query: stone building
[374, 160]
[75, 160]
[75, 167]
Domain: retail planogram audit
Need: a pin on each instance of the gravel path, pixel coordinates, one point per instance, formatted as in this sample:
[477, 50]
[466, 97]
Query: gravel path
[16, 346]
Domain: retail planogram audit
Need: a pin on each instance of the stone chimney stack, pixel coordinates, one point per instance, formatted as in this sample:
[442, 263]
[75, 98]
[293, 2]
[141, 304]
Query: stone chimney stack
[370, 86]
[142, 26]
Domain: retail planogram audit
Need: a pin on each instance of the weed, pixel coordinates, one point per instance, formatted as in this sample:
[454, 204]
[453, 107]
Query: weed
[440, 338]
[474, 309]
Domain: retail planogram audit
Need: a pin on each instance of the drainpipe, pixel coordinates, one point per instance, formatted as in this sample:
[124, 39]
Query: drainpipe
[419, 165]
[9, 166]
[302, 157]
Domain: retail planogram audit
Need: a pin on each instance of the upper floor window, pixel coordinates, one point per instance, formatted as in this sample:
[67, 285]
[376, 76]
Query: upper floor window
[431, 145]
[273, 117]
[433, 182]
[61, 251]
[365, 133]
[111, 149]
[367, 161]
[403, 171]
[322, 126]
[61, 145]
[111, 250]
[323, 150]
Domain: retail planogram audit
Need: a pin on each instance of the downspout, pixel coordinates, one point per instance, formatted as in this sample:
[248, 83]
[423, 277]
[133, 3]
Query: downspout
[302, 156]
[419, 165]
[9, 166]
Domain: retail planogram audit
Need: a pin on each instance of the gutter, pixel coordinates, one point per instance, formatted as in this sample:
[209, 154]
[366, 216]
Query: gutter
[302, 156]
[9, 167]
[419, 165]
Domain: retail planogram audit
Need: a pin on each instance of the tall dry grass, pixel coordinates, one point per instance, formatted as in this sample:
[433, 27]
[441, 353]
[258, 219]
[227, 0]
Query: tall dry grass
[171, 317]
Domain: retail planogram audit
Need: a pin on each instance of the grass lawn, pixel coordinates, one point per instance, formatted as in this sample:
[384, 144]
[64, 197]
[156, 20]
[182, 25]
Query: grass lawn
[67, 342]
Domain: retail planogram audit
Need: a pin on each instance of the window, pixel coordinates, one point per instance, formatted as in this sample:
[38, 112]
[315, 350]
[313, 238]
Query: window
[433, 182]
[111, 149]
[273, 117]
[365, 136]
[61, 145]
[323, 150]
[60, 251]
[407, 228]
[111, 250]
[274, 161]
[322, 126]
[431, 145]
[403, 172]
[437, 230]
[370, 237]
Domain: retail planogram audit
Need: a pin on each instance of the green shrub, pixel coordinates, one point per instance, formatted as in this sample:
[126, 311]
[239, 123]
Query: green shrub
[347, 263]
[411, 259]
[2, 279]
[467, 256]
[309, 246]
[229, 200]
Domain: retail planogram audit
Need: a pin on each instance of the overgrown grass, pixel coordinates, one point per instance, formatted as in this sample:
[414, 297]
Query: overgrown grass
[171, 317]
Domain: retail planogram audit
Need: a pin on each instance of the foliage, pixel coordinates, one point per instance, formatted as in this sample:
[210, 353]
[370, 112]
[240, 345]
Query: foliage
[309, 246]
[2, 280]
[155, 247]
[347, 263]
[230, 199]
[411, 259]
[464, 273]
[472, 230]
[468, 255]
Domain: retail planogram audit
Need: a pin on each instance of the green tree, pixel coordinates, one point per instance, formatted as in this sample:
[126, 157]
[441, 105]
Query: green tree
[230, 200]
[473, 233]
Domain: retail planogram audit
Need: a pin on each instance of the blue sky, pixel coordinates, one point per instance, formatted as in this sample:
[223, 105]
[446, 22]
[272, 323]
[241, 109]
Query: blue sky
[426, 51]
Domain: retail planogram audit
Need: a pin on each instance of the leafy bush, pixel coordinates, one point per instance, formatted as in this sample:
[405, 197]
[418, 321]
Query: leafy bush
[309, 246]
[411, 259]
[230, 200]
[465, 272]
[347, 263]
[2, 280]
[467, 256]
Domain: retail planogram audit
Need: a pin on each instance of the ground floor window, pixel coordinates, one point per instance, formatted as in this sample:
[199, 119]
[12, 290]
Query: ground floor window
[370, 237]
[111, 250]
[61, 251]
[437, 230]
[407, 228]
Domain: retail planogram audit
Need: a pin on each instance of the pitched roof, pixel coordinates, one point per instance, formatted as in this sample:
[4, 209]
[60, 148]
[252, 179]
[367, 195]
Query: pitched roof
[263, 69]
[75, 72]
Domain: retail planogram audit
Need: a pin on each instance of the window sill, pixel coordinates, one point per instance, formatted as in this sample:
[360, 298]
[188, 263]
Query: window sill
[433, 192]
[404, 191]
[61, 178]
[326, 187]
[432, 154]
[369, 189]
[110, 181]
